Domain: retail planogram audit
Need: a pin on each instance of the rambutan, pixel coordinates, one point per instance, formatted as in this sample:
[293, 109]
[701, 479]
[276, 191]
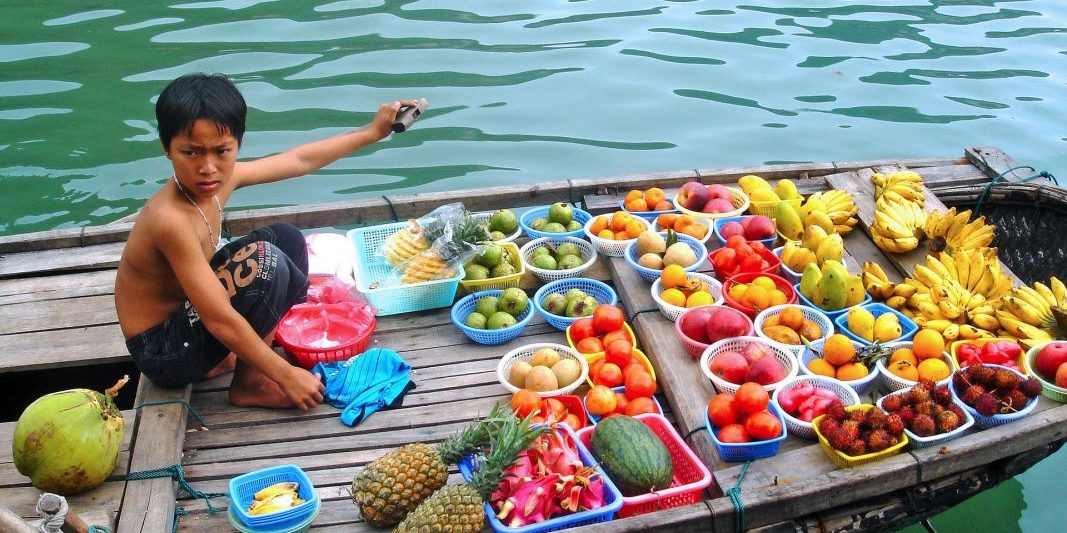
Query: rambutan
[875, 418]
[828, 426]
[980, 374]
[851, 428]
[958, 411]
[1031, 387]
[878, 440]
[894, 424]
[948, 421]
[838, 439]
[972, 393]
[959, 380]
[1004, 379]
[1014, 401]
[923, 425]
[925, 384]
[986, 404]
[924, 408]
[920, 395]
[892, 403]
[942, 395]
[907, 414]
[858, 416]
[856, 448]
[836, 410]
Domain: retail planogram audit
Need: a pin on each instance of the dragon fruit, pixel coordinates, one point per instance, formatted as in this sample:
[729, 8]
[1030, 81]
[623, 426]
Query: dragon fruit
[530, 503]
[580, 492]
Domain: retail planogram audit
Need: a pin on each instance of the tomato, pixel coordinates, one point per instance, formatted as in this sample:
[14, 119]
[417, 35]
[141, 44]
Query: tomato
[600, 400]
[751, 263]
[607, 318]
[619, 334]
[640, 405]
[762, 425]
[733, 241]
[634, 367]
[733, 433]
[750, 398]
[589, 345]
[582, 328]
[554, 409]
[744, 251]
[758, 247]
[621, 401]
[640, 385]
[724, 259]
[619, 352]
[573, 421]
[524, 402]
[610, 374]
[721, 411]
[594, 367]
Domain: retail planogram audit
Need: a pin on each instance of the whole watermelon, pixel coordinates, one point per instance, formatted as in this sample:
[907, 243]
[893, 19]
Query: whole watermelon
[632, 455]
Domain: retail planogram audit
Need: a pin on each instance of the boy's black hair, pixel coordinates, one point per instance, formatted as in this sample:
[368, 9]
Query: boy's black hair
[196, 96]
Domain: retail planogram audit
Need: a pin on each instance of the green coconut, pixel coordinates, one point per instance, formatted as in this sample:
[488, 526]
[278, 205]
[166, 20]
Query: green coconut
[68, 442]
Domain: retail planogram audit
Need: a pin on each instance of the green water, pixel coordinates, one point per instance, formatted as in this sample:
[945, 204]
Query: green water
[523, 92]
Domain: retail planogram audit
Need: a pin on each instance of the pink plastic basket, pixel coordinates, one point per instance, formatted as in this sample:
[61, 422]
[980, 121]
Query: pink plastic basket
[691, 477]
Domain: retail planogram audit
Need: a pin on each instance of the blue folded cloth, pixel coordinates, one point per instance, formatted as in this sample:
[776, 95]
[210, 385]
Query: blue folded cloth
[365, 383]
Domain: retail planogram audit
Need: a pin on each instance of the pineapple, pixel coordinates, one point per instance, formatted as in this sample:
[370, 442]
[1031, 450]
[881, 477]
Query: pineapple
[405, 244]
[458, 508]
[451, 239]
[389, 487]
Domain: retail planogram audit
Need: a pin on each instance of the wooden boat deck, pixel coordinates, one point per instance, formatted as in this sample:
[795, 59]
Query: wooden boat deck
[56, 310]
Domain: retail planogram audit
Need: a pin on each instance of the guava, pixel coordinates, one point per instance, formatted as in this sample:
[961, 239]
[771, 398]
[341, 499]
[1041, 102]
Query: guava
[568, 262]
[513, 300]
[475, 272]
[554, 227]
[544, 262]
[560, 213]
[491, 256]
[486, 305]
[500, 320]
[555, 303]
[476, 321]
[568, 248]
[504, 221]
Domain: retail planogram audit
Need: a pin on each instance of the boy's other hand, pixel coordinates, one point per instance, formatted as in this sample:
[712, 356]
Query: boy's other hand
[383, 121]
[303, 388]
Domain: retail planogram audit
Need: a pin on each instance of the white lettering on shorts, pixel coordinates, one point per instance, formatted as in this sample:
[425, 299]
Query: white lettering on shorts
[240, 270]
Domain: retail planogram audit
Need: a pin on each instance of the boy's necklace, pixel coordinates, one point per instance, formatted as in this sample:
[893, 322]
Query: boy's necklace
[210, 237]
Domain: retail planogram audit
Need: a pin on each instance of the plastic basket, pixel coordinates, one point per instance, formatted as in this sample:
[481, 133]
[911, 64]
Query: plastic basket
[794, 277]
[673, 311]
[744, 451]
[982, 421]
[737, 344]
[528, 217]
[587, 250]
[652, 274]
[847, 461]
[625, 327]
[501, 282]
[766, 207]
[637, 354]
[773, 264]
[691, 477]
[243, 489]
[647, 215]
[707, 223]
[740, 200]
[799, 427]
[695, 347]
[594, 419]
[375, 277]
[509, 238]
[833, 314]
[908, 327]
[747, 277]
[612, 497]
[612, 247]
[1048, 389]
[809, 314]
[299, 329]
[523, 353]
[924, 442]
[955, 346]
[235, 521]
[894, 382]
[490, 337]
[718, 223]
[861, 385]
[603, 293]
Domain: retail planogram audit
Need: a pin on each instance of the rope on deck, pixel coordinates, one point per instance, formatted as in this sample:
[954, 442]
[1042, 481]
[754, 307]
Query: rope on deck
[1000, 177]
[735, 497]
[203, 425]
[391, 207]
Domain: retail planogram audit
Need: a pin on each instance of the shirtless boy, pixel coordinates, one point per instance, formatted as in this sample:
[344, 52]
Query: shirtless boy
[189, 308]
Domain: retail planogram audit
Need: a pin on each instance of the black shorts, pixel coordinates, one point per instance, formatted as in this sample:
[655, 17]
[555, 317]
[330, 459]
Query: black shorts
[265, 274]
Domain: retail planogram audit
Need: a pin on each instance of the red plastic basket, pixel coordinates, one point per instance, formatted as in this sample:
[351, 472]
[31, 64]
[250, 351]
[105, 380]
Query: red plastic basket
[691, 477]
[766, 253]
[747, 277]
[297, 341]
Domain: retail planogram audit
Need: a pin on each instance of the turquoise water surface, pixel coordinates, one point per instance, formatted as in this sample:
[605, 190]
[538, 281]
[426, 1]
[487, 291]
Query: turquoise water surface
[523, 92]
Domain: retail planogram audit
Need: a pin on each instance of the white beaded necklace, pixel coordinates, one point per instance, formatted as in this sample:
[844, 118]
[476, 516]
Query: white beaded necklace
[201, 211]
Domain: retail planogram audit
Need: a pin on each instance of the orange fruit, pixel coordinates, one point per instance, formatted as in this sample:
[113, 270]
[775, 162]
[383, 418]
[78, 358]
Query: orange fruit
[791, 317]
[662, 205]
[634, 194]
[619, 219]
[757, 297]
[904, 369]
[928, 344]
[778, 297]
[852, 371]
[599, 224]
[666, 220]
[683, 221]
[636, 205]
[634, 227]
[654, 196]
[674, 297]
[698, 298]
[765, 282]
[904, 354]
[737, 292]
[934, 369]
[672, 276]
[606, 234]
[821, 367]
[838, 350]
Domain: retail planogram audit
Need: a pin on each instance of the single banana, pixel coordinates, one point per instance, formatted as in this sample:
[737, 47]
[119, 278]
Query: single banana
[1059, 290]
[896, 302]
[968, 331]
[985, 321]
[1045, 292]
[276, 489]
[876, 270]
[937, 325]
[951, 333]
[904, 290]
[949, 310]
[927, 277]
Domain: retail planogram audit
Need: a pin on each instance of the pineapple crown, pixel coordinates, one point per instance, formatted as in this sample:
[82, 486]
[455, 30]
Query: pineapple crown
[453, 232]
[474, 437]
[507, 441]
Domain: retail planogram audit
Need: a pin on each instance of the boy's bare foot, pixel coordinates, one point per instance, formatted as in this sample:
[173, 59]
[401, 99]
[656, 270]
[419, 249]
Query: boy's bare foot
[257, 390]
[226, 365]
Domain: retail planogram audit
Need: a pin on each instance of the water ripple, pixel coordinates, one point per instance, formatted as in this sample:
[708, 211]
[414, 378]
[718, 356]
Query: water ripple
[732, 100]
[83, 17]
[590, 17]
[10, 53]
[912, 76]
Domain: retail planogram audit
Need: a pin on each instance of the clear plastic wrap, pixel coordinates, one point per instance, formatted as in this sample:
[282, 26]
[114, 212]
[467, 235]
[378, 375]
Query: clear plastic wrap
[432, 246]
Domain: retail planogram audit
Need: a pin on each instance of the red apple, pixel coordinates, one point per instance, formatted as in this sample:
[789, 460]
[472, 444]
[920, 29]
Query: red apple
[694, 324]
[759, 227]
[731, 366]
[717, 191]
[732, 228]
[1050, 358]
[1061, 376]
[726, 323]
[766, 370]
[693, 195]
[718, 205]
[755, 351]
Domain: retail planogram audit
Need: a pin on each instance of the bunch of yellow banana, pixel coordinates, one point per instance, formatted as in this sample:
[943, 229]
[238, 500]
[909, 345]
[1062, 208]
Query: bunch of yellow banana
[898, 223]
[976, 270]
[837, 205]
[405, 244]
[1034, 314]
[277, 497]
[950, 231]
[906, 183]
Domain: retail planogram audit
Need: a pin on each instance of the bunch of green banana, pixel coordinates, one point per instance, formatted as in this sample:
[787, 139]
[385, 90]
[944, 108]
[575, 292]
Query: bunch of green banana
[950, 231]
[898, 223]
[908, 184]
[277, 497]
[1034, 314]
[838, 206]
[831, 287]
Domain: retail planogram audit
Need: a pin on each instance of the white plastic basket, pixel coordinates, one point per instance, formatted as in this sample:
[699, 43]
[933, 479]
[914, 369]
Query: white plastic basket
[738, 343]
[916, 441]
[588, 253]
[673, 311]
[814, 315]
[523, 353]
[799, 427]
[740, 200]
[894, 382]
[702, 221]
[611, 247]
[859, 385]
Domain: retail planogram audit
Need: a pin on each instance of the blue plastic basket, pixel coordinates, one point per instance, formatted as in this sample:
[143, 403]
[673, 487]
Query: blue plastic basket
[648, 215]
[743, 451]
[832, 314]
[861, 385]
[908, 327]
[612, 498]
[489, 337]
[720, 222]
[528, 217]
[376, 279]
[983, 422]
[603, 293]
[594, 419]
[243, 489]
[231, 514]
[651, 274]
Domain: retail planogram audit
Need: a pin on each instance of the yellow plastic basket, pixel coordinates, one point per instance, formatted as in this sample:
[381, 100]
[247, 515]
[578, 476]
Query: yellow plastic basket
[591, 358]
[847, 461]
[502, 282]
[766, 207]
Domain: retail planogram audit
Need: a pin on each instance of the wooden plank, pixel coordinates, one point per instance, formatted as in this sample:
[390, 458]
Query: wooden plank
[94, 257]
[57, 314]
[148, 505]
[41, 350]
[993, 162]
[56, 287]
